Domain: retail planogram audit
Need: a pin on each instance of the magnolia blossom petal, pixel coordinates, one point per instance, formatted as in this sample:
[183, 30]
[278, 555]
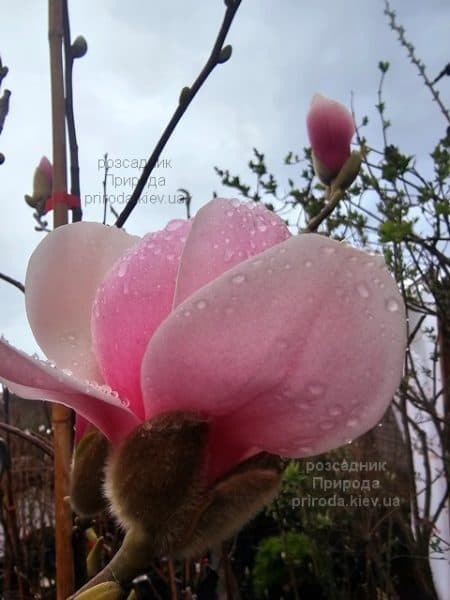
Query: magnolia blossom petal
[225, 233]
[133, 299]
[297, 350]
[38, 380]
[62, 277]
[330, 129]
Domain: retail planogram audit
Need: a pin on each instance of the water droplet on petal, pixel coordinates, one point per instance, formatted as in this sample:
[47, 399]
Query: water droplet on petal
[392, 305]
[328, 250]
[201, 304]
[229, 213]
[335, 411]
[229, 253]
[262, 227]
[257, 262]
[308, 264]
[316, 389]
[326, 425]
[235, 203]
[305, 450]
[362, 290]
[122, 269]
[352, 423]
[187, 313]
[238, 279]
[170, 257]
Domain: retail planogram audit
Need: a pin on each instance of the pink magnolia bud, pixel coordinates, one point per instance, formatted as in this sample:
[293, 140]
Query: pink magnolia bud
[330, 130]
[45, 166]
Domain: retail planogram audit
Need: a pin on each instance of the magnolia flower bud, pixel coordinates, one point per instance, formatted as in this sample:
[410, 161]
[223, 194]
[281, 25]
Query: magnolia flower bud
[109, 590]
[86, 489]
[330, 130]
[79, 47]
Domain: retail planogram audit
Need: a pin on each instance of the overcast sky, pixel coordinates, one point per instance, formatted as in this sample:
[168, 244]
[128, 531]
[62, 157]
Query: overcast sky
[141, 53]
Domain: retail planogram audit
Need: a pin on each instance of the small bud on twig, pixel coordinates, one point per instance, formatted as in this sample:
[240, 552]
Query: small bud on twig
[225, 54]
[184, 95]
[79, 47]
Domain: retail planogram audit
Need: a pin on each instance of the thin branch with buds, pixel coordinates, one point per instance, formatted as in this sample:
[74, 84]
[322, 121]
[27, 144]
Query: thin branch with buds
[219, 55]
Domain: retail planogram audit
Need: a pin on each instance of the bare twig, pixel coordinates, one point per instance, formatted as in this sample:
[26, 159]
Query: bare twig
[400, 30]
[13, 282]
[326, 211]
[105, 195]
[71, 130]
[29, 437]
[219, 54]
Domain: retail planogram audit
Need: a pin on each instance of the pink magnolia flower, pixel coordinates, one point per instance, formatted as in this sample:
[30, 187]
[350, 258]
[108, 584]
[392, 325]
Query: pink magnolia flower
[288, 344]
[330, 130]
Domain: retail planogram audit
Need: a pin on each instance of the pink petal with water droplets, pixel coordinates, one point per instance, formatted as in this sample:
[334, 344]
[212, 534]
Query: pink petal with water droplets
[225, 233]
[131, 302]
[62, 278]
[298, 349]
[330, 130]
[36, 380]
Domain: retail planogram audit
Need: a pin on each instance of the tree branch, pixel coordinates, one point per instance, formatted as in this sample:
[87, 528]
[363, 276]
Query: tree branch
[13, 282]
[218, 55]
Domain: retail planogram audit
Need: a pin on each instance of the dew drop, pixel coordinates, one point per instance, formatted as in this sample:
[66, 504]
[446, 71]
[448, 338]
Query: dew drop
[257, 262]
[305, 450]
[156, 250]
[308, 264]
[362, 290]
[261, 227]
[235, 203]
[326, 425]
[187, 313]
[201, 304]
[316, 389]
[124, 402]
[282, 250]
[238, 279]
[287, 266]
[352, 423]
[229, 213]
[170, 257]
[328, 250]
[229, 253]
[122, 269]
[392, 305]
[335, 411]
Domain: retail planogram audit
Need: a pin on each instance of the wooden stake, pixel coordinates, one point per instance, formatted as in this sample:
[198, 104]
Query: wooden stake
[61, 416]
